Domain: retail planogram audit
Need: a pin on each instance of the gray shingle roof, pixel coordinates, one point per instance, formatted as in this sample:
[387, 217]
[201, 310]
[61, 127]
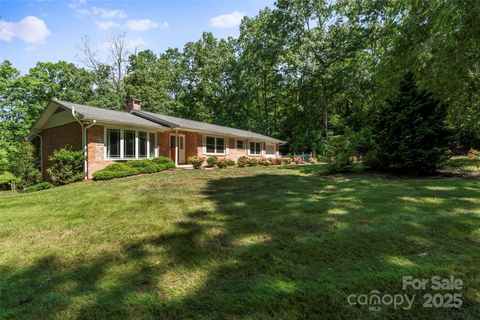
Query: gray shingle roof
[155, 120]
[106, 115]
[202, 126]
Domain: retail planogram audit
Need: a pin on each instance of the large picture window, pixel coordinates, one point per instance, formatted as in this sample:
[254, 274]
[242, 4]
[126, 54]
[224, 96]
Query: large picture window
[255, 148]
[142, 144]
[215, 145]
[129, 144]
[113, 143]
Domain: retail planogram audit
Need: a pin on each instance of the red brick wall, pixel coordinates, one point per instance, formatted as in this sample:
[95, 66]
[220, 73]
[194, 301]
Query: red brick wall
[58, 137]
[96, 153]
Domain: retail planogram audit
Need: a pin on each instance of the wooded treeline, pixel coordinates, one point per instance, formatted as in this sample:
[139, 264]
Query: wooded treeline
[297, 72]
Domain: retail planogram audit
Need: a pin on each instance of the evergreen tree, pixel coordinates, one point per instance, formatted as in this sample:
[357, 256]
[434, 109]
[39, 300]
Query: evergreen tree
[412, 136]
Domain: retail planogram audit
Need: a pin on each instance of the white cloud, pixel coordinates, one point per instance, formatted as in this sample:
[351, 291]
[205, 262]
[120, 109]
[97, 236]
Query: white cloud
[107, 25]
[102, 13]
[30, 29]
[141, 25]
[134, 44]
[227, 20]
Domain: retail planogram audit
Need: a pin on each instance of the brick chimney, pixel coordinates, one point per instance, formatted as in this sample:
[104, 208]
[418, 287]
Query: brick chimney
[133, 104]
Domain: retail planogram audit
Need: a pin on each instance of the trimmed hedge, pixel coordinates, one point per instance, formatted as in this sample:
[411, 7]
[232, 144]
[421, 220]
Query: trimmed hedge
[133, 167]
[39, 186]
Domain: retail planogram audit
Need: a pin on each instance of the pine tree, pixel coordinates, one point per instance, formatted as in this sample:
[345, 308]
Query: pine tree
[412, 136]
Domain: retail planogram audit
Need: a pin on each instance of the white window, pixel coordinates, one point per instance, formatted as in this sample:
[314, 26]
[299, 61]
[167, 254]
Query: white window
[113, 143]
[255, 148]
[240, 144]
[151, 145]
[270, 149]
[214, 145]
[129, 144]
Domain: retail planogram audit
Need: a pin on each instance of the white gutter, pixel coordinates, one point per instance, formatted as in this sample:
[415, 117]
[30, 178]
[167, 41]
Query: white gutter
[84, 141]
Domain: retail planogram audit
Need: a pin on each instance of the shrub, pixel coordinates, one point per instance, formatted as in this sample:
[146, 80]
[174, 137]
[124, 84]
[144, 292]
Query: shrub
[8, 180]
[298, 160]
[243, 161]
[130, 168]
[67, 166]
[221, 163]
[276, 161]
[22, 165]
[211, 161]
[39, 186]
[252, 162]
[412, 134]
[287, 160]
[264, 162]
[196, 161]
[312, 160]
[472, 154]
[372, 161]
[165, 161]
[338, 153]
[230, 162]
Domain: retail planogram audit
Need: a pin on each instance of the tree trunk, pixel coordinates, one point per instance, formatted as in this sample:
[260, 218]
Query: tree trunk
[325, 107]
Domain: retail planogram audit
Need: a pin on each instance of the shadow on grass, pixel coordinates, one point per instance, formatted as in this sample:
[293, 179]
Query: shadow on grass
[276, 246]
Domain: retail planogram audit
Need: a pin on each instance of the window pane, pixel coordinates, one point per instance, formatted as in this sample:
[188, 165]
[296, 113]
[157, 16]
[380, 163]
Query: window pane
[220, 145]
[252, 147]
[239, 144]
[210, 141]
[129, 143]
[113, 143]
[173, 141]
[142, 144]
[258, 148]
[151, 141]
[270, 149]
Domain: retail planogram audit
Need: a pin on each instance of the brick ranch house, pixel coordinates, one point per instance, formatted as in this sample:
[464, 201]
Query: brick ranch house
[109, 136]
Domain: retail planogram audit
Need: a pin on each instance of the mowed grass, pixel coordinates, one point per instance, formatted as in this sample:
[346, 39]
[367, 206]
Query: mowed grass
[266, 243]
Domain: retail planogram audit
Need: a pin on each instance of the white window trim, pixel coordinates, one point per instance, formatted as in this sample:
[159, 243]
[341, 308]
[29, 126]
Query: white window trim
[225, 145]
[122, 147]
[255, 154]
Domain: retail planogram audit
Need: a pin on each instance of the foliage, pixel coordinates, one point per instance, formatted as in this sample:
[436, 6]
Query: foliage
[312, 160]
[39, 186]
[230, 162]
[287, 160]
[196, 161]
[338, 153]
[211, 161]
[221, 163]
[264, 162]
[67, 166]
[253, 162]
[133, 167]
[372, 161]
[243, 161]
[412, 136]
[461, 164]
[23, 165]
[8, 180]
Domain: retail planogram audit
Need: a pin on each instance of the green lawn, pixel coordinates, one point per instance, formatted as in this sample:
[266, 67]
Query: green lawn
[236, 243]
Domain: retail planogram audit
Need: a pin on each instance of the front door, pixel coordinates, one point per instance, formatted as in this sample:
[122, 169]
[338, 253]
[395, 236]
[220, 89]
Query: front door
[181, 147]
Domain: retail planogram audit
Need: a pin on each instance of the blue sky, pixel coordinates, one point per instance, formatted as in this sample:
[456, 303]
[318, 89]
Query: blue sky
[32, 31]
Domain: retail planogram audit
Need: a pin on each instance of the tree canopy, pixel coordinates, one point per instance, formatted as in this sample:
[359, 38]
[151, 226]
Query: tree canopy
[299, 71]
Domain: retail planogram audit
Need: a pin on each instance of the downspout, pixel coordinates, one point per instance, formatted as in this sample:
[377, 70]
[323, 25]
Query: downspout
[176, 147]
[84, 141]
